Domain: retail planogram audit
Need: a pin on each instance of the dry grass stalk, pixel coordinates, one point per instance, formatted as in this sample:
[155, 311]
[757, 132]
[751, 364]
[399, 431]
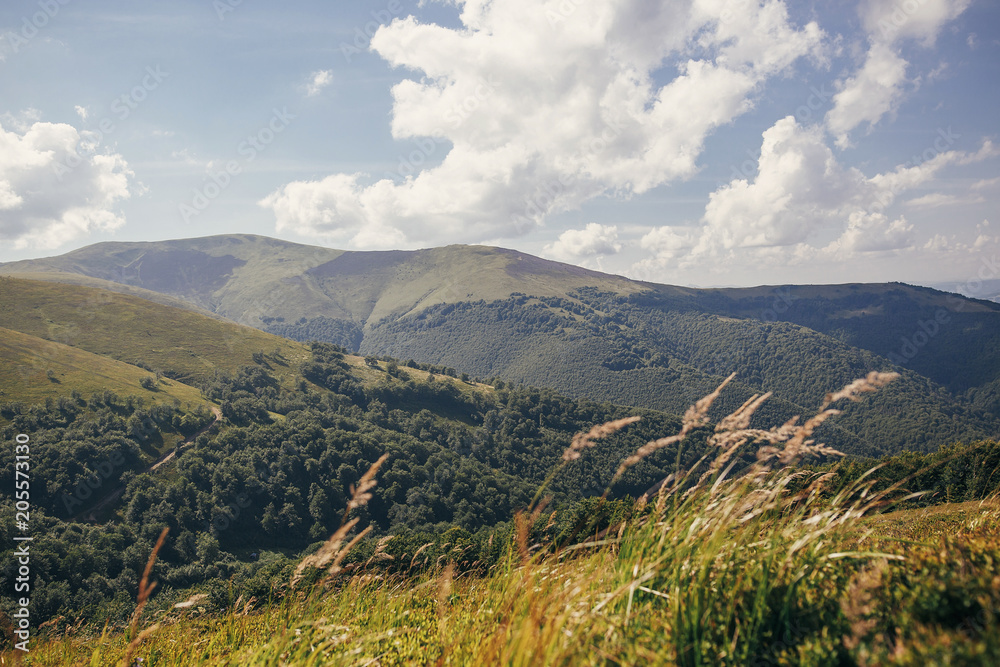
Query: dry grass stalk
[335, 569]
[696, 415]
[413, 560]
[332, 553]
[326, 553]
[874, 381]
[145, 590]
[380, 553]
[583, 440]
[444, 588]
[523, 523]
[785, 444]
[360, 495]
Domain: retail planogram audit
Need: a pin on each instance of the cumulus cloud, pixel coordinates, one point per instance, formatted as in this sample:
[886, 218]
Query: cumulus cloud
[53, 189]
[542, 106]
[800, 186]
[318, 81]
[880, 84]
[891, 20]
[590, 242]
[874, 91]
[804, 203]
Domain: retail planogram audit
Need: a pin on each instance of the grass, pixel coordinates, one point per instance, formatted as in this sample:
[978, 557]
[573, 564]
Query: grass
[181, 343]
[32, 369]
[722, 567]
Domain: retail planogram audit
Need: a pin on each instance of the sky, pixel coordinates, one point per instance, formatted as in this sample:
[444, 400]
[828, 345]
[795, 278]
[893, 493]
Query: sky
[691, 142]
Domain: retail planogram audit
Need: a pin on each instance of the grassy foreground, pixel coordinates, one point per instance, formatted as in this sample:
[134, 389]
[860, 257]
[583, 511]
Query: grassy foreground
[763, 567]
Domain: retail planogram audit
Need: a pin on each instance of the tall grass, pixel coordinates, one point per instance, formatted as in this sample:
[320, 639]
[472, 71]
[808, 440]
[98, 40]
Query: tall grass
[742, 559]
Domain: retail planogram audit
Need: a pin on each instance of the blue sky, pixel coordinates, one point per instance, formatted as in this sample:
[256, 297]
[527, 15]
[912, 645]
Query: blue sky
[703, 142]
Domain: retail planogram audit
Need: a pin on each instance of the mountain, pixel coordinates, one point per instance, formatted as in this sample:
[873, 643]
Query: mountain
[491, 312]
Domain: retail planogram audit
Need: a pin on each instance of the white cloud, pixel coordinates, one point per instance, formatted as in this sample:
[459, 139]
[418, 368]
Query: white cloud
[986, 184]
[667, 244]
[891, 20]
[51, 191]
[802, 204]
[81, 112]
[879, 86]
[597, 123]
[799, 188]
[318, 81]
[870, 94]
[872, 232]
[592, 241]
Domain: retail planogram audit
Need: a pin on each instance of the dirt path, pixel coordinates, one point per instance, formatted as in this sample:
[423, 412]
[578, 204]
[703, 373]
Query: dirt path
[113, 496]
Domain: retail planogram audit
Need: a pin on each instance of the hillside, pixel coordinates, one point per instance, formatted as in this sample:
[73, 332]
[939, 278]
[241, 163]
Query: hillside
[182, 344]
[32, 370]
[492, 312]
[245, 497]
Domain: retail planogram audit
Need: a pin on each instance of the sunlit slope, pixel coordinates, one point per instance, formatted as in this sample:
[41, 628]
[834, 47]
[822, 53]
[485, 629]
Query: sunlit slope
[182, 344]
[32, 369]
[256, 280]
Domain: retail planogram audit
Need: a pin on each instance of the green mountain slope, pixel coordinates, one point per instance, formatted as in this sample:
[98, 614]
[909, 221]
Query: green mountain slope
[666, 359]
[302, 423]
[180, 343]
[300, 426]
[32, 370]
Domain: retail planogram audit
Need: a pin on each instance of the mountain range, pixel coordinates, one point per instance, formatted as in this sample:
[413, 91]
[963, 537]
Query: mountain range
[497, 313]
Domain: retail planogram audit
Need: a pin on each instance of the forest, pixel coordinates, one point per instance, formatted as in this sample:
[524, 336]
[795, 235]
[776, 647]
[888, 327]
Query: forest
[274, 475]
